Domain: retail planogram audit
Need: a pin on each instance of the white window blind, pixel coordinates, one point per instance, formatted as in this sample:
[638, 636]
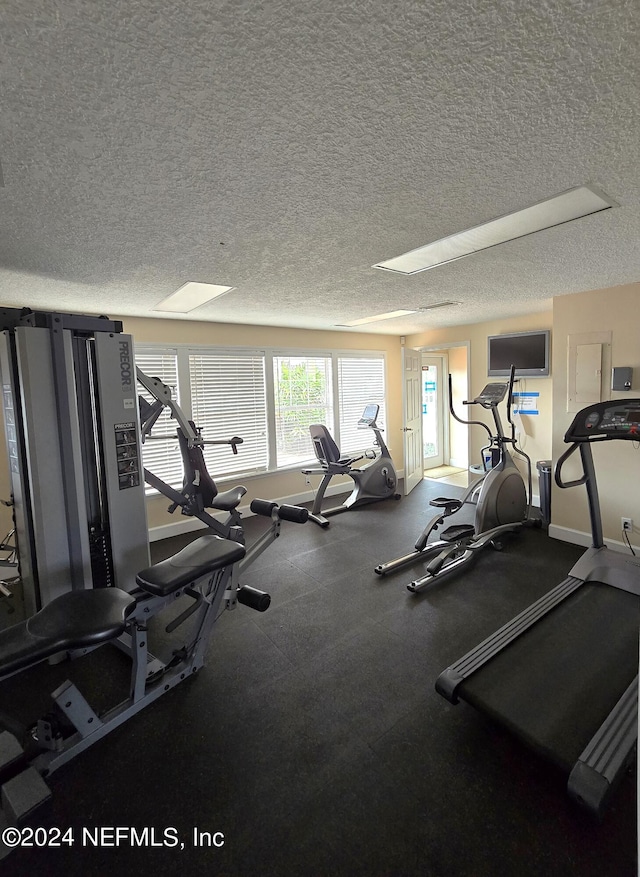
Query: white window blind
[303, 395]
[161, 455]
[360, 382]
[226, 392]
[228, 398]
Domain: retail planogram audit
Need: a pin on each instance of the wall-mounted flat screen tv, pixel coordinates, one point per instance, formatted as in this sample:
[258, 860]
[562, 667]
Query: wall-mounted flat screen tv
[528, 351]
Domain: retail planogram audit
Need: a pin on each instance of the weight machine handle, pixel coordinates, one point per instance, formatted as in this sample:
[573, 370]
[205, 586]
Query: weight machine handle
[234, 441]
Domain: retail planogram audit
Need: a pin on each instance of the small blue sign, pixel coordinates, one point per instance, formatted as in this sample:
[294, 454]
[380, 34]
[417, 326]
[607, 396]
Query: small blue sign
[525, 403]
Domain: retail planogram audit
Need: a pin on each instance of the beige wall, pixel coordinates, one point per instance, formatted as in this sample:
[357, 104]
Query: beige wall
[458, 434]
[535, 431]
[612, 309]
[282, 484]
[456, 451]
[617, 463]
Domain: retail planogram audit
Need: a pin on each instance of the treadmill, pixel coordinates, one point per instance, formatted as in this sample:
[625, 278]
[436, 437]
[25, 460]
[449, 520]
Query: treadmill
[563, 674]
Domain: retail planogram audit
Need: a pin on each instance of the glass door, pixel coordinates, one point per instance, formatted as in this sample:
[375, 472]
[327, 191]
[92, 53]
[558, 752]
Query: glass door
[432, 420]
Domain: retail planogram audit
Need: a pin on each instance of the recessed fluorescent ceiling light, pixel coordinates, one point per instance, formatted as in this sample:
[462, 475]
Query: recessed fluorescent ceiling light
[375, 319]
[438, 304]
[572, 204]
[191, 295]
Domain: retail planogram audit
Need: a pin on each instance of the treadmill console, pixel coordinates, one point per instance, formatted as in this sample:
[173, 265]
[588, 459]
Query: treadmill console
[609, 420]
[369, 416]
[491, 395]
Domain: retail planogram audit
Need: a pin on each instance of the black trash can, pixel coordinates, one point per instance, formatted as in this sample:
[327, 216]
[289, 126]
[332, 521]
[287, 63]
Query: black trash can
[544, 479]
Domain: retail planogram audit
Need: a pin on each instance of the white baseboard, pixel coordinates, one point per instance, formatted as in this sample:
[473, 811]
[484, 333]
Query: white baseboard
[579, 537]
[186, 524]
[565, 534]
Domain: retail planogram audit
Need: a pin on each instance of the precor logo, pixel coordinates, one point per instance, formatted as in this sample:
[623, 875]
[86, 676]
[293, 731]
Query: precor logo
[125, 366]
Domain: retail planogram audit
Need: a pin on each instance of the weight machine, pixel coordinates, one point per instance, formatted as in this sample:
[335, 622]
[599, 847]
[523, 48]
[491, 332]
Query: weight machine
[74, 430]
[73, 437]
[199, 492]
[73, 444]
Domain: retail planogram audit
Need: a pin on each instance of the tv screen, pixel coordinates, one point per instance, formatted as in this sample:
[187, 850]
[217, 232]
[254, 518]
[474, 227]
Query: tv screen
[528, 351]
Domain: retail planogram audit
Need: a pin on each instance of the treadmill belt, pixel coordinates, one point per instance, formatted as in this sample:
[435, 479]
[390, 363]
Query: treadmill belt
[557, 683]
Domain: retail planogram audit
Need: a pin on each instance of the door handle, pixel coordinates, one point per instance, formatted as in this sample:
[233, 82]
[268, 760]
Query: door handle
[407, 429]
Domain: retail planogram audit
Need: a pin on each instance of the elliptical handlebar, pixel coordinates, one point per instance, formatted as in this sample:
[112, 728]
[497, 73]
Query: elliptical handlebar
[459, 419]
[489, 399]
[512, 374]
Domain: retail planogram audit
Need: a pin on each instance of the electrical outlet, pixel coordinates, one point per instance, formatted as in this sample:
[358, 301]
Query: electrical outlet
[627, 523]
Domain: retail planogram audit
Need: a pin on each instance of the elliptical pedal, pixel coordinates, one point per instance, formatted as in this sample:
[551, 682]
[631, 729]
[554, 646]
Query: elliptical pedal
[457, 532]
[447, 503]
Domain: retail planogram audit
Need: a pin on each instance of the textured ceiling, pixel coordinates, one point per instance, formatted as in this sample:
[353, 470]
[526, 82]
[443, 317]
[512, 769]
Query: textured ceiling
[283, 147]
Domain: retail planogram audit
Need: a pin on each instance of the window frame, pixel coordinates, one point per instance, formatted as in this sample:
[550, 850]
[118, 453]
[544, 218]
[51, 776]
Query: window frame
[183, 351]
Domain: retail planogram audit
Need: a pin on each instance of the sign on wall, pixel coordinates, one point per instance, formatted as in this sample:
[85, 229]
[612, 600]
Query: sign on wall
[525, 403]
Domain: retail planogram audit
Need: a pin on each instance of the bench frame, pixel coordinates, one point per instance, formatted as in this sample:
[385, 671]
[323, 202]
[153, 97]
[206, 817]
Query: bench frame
[212, 589]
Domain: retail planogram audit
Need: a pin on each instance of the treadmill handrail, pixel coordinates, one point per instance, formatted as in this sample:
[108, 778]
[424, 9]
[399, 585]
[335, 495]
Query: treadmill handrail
[588, 478]
[561, 461]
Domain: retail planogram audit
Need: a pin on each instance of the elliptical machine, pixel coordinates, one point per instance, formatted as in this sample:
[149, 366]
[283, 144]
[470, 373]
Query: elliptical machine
[502, 503]
[374, 482]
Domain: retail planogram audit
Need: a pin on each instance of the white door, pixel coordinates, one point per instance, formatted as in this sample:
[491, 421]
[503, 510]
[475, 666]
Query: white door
[433, 438]
[412, 417]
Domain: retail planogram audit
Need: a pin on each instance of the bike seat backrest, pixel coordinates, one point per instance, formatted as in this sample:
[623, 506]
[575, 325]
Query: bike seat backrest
[325, 448]
[196, 474]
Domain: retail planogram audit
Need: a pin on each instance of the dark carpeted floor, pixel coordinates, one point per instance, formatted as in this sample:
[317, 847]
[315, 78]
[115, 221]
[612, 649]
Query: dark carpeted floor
[314, 739]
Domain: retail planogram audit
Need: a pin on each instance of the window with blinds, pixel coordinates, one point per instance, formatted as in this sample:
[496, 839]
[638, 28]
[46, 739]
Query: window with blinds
[303, 394]
[226, 392]
[360, 382]
[228, 398]
[160, 451]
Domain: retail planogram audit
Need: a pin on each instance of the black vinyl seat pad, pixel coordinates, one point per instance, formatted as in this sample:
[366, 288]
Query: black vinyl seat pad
[75, 620]
[228, 500]
[202, 556]
[81, 619]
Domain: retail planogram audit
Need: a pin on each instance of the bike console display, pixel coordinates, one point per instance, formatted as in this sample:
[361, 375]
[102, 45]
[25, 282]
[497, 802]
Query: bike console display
[369, 416]
[606, 420]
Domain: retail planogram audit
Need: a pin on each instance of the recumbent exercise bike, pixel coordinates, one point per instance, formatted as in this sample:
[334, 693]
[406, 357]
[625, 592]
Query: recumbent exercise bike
[372, 483]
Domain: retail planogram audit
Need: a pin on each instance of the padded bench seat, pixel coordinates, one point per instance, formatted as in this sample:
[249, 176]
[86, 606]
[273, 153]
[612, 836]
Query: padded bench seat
[204, 555]
[228, 500]
[72, 621]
